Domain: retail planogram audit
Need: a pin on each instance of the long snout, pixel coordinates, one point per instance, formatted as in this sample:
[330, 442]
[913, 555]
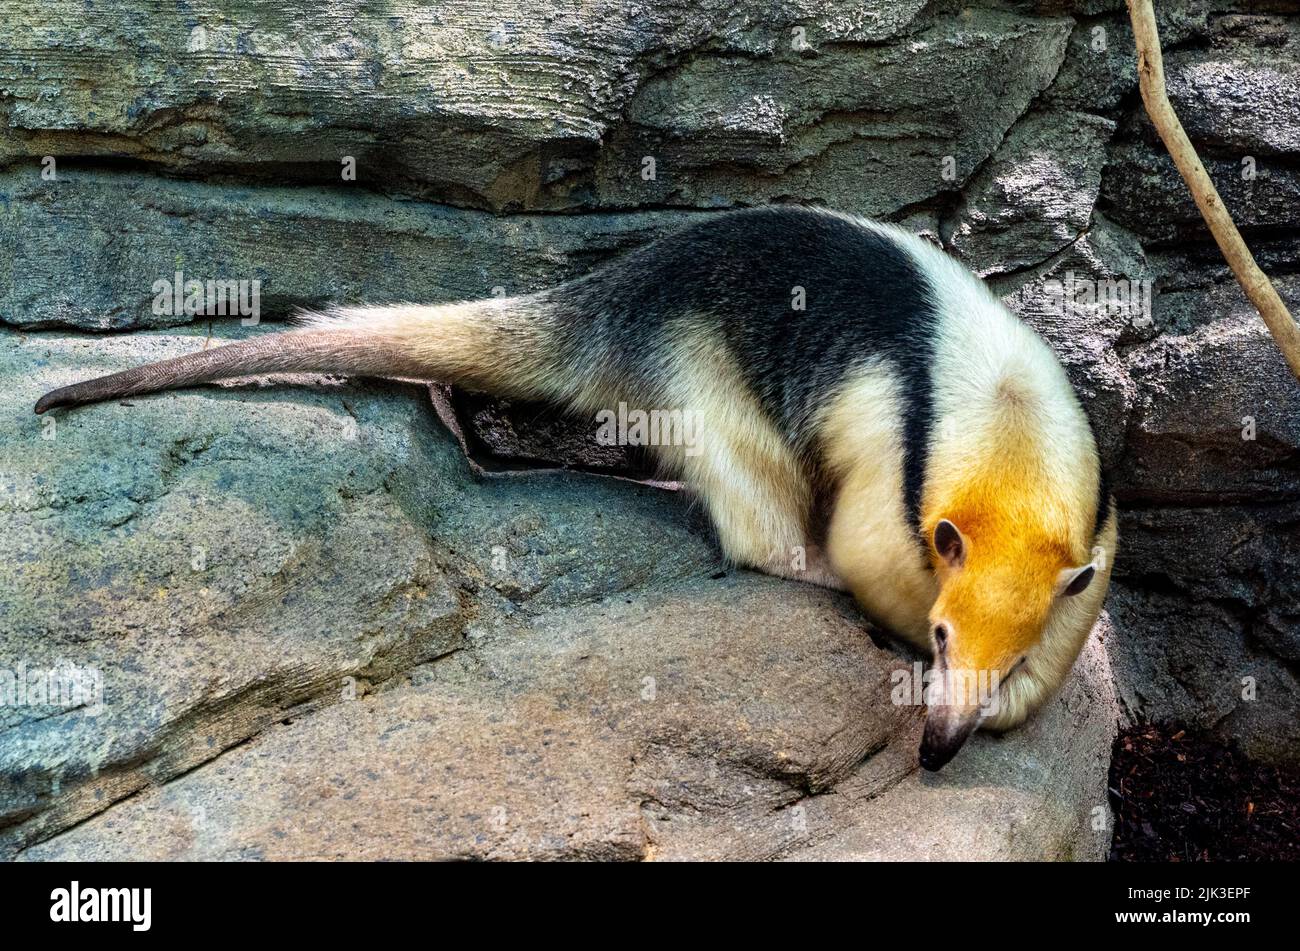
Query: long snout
[956, 702]
[946, 730]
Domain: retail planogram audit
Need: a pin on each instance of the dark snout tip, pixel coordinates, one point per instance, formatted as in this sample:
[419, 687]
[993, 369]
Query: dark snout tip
[935, 757]
[943, 739]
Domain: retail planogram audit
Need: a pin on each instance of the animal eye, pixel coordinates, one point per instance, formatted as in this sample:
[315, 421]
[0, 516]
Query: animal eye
[941, 635]
[1079, 582]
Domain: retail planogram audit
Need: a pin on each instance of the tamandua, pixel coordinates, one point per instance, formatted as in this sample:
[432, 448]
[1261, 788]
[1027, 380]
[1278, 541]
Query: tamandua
[870, 417]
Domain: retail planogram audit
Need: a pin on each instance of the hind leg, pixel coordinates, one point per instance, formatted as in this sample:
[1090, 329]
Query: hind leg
[758, 498]
[756, 532]
[757, 493]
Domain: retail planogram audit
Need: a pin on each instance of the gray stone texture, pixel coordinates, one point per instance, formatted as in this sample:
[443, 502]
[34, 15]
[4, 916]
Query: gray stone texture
[324, 634]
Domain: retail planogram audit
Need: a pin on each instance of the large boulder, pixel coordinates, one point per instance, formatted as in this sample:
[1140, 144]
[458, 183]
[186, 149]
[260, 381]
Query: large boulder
[530, 105]
[318, 636]
[87, 248]
[1211, 531]
[1035, 196]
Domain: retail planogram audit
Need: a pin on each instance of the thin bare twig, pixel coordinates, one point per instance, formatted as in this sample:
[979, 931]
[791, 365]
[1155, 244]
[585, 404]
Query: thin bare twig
[1151, 79]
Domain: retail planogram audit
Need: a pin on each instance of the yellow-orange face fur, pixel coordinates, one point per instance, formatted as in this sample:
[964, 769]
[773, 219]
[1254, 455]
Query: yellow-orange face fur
[994, 599]
[996, 603]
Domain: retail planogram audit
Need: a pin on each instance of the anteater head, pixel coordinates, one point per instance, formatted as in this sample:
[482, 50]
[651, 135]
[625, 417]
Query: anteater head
[1014, 607]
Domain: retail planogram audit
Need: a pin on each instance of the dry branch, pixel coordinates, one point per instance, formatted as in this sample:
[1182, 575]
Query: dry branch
[1151, 79]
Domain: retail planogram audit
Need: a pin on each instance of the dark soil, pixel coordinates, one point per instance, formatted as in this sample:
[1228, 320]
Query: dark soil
[1178, 797]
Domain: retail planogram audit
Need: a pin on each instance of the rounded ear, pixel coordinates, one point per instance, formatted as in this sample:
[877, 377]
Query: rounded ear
[949, 543]
[1072, 581]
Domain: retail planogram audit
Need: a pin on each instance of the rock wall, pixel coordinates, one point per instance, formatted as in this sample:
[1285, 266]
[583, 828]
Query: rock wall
[416, 151]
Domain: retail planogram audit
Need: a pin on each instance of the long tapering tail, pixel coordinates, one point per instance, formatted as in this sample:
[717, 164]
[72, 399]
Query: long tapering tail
[499, 345]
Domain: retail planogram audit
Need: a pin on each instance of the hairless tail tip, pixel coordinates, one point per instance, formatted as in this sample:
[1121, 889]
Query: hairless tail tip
[50, 400]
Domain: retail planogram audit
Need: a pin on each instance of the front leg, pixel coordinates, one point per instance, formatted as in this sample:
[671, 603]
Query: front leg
[756, 491]
[806, 562]
[759, 505]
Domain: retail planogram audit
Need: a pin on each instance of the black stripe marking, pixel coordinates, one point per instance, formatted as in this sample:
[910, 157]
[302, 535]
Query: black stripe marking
[865, 298]
[1103, 503]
